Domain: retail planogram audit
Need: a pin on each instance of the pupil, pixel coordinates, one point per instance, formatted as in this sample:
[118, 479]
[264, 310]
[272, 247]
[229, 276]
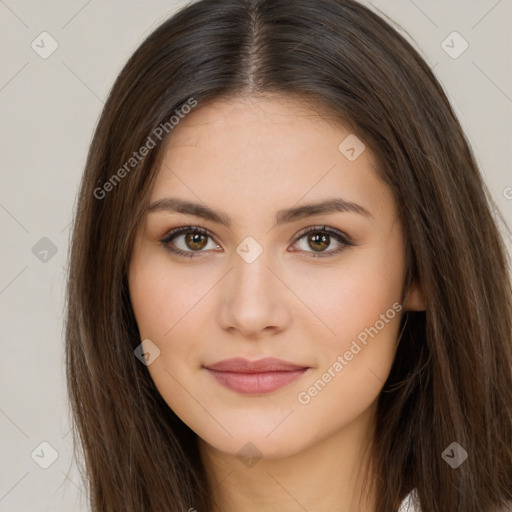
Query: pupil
[193, 238]
[319, 239]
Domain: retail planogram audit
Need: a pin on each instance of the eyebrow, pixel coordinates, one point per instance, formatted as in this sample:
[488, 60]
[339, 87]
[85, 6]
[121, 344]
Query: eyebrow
[328, 206]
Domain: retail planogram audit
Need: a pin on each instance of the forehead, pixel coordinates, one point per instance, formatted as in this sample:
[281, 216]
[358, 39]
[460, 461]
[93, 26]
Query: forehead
[253, 116]
[259, 151]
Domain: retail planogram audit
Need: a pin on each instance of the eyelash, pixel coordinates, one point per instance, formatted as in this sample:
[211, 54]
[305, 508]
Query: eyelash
[340, 237]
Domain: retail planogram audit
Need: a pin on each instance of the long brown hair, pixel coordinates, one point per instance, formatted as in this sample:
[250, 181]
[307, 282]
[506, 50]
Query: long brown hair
[451, 380]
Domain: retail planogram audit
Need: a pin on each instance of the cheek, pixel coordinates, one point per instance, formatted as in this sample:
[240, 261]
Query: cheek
[148, 299]
[364, 320]
[163, 295]
[163, 299]
[372, 284]
[352, 297]
[170, 304]
[360, 303]
[354, 363]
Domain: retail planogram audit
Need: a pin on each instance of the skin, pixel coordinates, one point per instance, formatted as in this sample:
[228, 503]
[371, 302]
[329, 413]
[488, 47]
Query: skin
[250, 158]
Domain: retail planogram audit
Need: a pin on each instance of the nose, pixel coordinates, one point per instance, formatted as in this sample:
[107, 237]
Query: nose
[254, 300]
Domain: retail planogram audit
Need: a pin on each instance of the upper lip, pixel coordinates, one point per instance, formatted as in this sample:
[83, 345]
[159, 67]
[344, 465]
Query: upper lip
[267, 364]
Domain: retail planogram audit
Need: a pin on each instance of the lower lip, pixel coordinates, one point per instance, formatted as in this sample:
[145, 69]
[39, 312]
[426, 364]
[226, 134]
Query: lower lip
[256, 383]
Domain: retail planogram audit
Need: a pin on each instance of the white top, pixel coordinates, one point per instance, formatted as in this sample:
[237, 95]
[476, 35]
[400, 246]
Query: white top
[407, 505]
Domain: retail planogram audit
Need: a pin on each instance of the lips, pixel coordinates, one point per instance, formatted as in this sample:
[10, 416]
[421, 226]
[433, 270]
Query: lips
[255, 377]
[241, 365]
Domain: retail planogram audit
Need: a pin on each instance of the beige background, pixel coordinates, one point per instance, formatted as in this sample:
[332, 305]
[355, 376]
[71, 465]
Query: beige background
[49, 110]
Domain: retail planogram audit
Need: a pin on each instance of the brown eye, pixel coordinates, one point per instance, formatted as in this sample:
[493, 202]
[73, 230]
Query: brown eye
[195, 241]
[188, 241]
[318, 242]
[319, 238]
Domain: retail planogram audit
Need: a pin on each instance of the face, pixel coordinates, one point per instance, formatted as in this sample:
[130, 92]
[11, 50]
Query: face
[255, 271]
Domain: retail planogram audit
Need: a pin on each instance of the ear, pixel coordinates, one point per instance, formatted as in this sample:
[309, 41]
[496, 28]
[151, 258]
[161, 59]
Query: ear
[415, 298]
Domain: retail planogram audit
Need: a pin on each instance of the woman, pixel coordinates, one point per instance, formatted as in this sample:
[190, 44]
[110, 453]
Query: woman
[287, 290]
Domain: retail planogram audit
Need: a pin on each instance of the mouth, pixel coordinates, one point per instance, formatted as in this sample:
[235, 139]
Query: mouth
[255, 377]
